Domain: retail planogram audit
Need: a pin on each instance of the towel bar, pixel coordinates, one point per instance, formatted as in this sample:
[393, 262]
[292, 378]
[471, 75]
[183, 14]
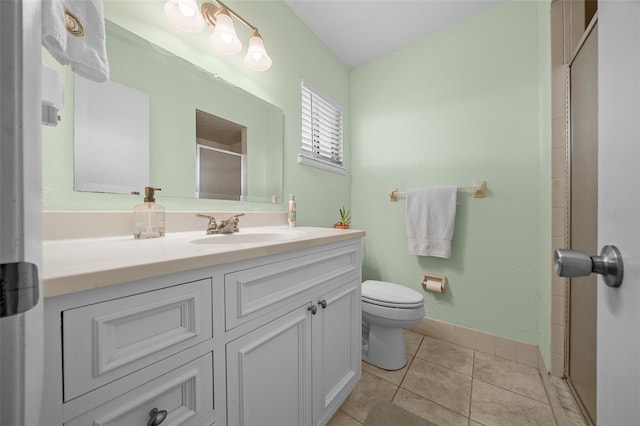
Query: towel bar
[479, 190]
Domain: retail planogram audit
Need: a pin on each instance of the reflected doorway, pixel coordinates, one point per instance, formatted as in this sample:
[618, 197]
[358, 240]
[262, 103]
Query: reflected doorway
[221, 158]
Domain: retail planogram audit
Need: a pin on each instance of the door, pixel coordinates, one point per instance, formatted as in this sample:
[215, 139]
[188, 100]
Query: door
[336, 349]
[269, 373]
[21, 335]
[584, 220]
[618, 371]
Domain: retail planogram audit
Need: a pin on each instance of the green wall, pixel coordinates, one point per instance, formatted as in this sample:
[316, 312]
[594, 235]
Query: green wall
[468, 103]
[296, 53]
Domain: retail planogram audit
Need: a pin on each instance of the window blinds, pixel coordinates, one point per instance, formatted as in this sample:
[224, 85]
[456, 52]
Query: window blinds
[322, 144]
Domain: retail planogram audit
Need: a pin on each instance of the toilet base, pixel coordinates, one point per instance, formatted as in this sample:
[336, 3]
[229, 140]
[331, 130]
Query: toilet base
[386, 348]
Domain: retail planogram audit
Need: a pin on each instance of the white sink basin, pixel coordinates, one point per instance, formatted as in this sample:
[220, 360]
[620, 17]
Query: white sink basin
[247, 238]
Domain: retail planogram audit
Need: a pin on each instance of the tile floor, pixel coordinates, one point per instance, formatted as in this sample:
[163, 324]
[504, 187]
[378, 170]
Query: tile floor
[448, 384]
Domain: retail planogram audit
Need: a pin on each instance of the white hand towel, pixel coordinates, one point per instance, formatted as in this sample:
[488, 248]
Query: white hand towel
[431, 214]
[85, 51]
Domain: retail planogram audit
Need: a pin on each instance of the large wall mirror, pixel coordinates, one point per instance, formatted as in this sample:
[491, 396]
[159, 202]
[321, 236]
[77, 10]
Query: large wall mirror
[207, 138]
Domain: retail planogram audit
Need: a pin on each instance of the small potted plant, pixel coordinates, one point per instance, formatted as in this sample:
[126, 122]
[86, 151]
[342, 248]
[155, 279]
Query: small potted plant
[345, 219]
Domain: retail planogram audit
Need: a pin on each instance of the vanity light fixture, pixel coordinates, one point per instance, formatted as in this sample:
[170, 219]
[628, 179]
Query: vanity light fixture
[185, 15]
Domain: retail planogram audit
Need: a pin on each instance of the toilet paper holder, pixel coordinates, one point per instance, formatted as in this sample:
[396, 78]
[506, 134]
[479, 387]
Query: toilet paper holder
[434, 282]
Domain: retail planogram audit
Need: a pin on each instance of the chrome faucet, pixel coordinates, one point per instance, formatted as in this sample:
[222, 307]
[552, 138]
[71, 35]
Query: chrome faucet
[226, 226]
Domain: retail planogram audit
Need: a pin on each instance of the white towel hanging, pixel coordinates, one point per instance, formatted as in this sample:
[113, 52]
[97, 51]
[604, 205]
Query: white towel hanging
[73, 32]
[431, 214]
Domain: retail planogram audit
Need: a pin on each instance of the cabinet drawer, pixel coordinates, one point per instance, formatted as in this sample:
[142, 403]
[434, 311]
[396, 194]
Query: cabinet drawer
[254, 291]
[105, 341]
[186, 393]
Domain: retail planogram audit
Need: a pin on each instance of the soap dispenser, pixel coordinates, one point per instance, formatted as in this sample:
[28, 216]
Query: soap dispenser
[149, 217]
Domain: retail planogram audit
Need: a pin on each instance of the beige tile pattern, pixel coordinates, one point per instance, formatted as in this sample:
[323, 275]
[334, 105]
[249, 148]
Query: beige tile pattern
[343, 419]
[497, 391]
[412, 341]
[558, 192]
[491, 405]
[521, 352]
[511, 376]
[506, 352]
[557, 365]
[426, 409]
[394, 377]
[367, 392]
[438, 384]
[569, 407]
[447, 355]
[526, 357]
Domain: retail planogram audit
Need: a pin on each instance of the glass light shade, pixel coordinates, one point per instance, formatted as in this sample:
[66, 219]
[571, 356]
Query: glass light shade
[224, 37]
[257, 58]
[185, 15]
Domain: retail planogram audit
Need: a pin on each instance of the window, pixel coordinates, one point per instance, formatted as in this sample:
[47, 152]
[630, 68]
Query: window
[321, 130]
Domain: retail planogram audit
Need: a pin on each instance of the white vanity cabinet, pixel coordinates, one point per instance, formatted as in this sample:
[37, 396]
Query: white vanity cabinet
[267, 340]
[112, 355]
[297, 356]
[298, 368]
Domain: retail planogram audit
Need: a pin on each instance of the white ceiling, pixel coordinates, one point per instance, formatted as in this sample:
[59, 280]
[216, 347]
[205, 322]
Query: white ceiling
[359, 31]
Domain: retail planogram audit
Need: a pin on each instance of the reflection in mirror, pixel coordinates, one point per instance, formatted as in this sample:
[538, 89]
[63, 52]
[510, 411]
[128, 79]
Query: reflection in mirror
[176, 89]
[221, 158]
[111, 128]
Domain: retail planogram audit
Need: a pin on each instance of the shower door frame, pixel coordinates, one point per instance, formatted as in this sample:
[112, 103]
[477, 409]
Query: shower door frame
[568, 193]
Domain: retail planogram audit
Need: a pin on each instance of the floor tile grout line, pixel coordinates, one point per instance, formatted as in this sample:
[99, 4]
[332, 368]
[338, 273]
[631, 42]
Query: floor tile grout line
[473, 368]
[349, 415]
[573, 409]
[431, 401]
[445, 367]
[514, 392]
[409, 364]
[547, 391]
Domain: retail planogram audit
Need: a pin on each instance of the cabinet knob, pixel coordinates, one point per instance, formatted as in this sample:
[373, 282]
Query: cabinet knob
[313, 309]
[323, 303]
[156, 417]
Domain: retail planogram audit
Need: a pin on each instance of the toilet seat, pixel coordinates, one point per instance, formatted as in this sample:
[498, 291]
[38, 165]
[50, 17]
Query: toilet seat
[390, 295]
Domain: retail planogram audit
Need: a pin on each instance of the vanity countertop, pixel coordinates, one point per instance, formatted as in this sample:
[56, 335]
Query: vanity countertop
[82, 264]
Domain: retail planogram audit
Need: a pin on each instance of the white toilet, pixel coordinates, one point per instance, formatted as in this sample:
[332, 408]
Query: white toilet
[386, 309]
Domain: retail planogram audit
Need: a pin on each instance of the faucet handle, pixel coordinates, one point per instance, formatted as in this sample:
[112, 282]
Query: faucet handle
[236, 216]
[212, 220]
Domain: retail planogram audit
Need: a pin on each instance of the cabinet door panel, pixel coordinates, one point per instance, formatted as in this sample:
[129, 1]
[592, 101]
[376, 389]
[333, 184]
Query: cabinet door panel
[269, 373]
[336, 349]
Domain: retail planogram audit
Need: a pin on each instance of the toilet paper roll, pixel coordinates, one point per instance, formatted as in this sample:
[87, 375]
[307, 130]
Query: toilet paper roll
[435, 286]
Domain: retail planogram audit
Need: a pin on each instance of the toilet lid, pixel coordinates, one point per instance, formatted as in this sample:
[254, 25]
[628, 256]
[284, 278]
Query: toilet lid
[389, 294]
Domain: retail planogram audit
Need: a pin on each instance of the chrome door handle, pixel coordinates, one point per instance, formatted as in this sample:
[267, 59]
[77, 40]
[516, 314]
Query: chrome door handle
[570, 263]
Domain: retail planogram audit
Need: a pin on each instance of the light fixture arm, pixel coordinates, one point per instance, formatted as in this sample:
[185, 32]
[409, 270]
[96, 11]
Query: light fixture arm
[210, 11]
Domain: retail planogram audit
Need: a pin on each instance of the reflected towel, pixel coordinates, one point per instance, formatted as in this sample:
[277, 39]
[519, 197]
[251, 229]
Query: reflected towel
[83, 47]
[431, 214]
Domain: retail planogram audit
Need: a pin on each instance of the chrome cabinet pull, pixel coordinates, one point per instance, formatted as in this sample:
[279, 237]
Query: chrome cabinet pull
[313, 309]
[156, 417]
[323, 303]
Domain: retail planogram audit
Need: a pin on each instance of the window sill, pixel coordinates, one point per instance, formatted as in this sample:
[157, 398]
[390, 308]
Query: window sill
[324, 165]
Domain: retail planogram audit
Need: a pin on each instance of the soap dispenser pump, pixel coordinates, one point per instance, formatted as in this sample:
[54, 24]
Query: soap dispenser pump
[149, 216]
